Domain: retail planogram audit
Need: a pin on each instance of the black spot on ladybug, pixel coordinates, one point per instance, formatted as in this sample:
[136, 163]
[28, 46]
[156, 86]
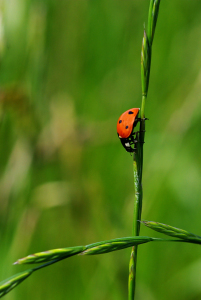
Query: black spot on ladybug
[120, 121]
[126, 127]
[130, 112]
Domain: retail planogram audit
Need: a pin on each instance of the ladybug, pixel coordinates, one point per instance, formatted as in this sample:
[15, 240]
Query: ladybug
[125, 125]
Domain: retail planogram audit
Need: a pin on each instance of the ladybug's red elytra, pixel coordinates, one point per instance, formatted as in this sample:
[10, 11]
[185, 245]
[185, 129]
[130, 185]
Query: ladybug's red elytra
[125, 125]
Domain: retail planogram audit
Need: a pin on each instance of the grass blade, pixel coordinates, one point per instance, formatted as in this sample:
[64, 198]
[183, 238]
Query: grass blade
[173, 231]
[114, 245]
[53, 256]
[145, 64]
[50, 255]
[152, 19]
[10, 283]
[92, 249]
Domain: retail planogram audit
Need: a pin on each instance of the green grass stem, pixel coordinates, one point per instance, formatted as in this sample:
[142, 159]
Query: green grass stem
[138, 155]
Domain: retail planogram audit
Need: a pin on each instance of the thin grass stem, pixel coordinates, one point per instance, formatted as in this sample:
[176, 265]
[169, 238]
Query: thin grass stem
[138, 155]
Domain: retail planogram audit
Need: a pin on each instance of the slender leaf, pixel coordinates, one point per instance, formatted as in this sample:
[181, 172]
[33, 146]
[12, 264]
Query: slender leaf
[92, 249]
[173, 231]
[116, 244]
[50, 255]
[152, 19]
[145, 64]
[10, 283]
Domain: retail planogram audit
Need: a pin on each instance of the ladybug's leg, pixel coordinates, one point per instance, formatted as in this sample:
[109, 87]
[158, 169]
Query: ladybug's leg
[139, 119]
[140, 131]
[133, 140]
[137, 141]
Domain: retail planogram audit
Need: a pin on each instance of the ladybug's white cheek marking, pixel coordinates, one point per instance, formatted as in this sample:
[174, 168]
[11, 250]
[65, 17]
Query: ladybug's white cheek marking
[127, 144]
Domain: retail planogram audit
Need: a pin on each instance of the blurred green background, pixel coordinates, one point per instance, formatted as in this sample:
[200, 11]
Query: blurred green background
[68, 69]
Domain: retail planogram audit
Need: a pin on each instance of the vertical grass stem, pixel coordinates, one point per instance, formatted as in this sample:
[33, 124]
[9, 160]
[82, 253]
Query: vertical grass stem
[138, 155]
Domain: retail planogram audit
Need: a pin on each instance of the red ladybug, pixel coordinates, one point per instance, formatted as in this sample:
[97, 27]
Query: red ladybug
[126, 122]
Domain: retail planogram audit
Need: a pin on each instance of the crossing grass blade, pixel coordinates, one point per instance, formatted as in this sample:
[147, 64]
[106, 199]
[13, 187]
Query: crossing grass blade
[173, 231]
[92, 249]
[10, 283]
[46, 256]
[116, 244]
[53, 256]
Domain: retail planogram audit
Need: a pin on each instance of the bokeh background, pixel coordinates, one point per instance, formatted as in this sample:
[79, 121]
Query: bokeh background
[68, 69]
